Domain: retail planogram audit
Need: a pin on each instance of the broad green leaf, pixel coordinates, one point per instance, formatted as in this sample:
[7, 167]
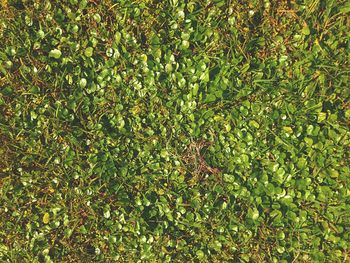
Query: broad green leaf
[55, 53]
[253, 213]
[89, 51]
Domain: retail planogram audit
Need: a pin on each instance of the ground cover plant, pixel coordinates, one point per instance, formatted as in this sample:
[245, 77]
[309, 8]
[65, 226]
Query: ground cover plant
[174, 131]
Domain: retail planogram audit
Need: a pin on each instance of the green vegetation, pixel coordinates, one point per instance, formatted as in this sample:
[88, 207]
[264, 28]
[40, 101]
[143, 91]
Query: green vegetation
[174, 131]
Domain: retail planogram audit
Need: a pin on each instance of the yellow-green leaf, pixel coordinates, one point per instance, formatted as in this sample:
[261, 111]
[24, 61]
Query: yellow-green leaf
[288, 129]
[306, 30]
[46, 218]
[254, 124]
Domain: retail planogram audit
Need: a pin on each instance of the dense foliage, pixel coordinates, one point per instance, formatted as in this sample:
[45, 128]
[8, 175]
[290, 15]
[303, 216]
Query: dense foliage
[174, 131]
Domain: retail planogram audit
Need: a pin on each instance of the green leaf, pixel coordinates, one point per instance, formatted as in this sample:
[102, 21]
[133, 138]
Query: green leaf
[253, 213]
[89, 52]
[309, 141]
[217, 245]
[200, 254]
[7, 91]
[321, 116]
[117, 37]
[254, 124]
[281, 235]
[46, 218]
[306, 29]
[210, 98]
[55, 53]
[83, 83]
[288, 130]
